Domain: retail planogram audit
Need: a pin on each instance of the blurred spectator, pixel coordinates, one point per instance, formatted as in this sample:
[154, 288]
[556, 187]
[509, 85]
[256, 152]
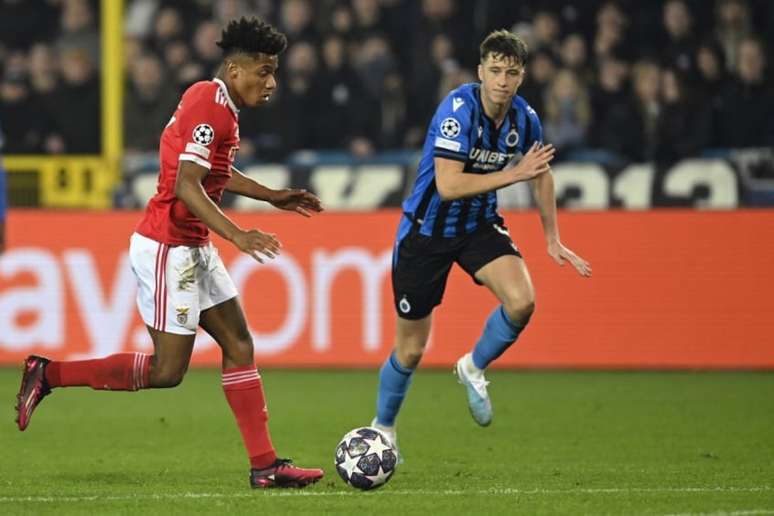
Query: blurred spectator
[375, 59]
[574, 56]
[646, 76]
[684, 124]
[541, 69]
[711, 67]
[206, 52]
[79, 29]
[42, 69]
[225, 10]
[180, 67]
[545, 32]
[167, 27]
[614, 112]
[75, 103]
[138, 18]
[367, 16]
[25, 122]
[300, 98]
[394, 119]
[610, 36]
[568, 112]
[379, 67]
[342, 21]
[679, 46]
[747, 107]
[345, 110]
[733, 23]
[149, 103]
[296, 21]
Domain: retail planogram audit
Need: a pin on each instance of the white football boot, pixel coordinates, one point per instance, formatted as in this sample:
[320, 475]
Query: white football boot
[392, 435]
[475, 384]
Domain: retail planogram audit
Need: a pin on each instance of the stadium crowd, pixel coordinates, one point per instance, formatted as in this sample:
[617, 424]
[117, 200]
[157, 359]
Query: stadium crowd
[636, 80]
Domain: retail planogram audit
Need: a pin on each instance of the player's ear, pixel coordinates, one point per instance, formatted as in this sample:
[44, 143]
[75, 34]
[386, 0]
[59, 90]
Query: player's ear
[480, 72]
[232, 68]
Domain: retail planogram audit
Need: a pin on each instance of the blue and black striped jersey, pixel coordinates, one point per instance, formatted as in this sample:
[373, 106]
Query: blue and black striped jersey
[460, 130]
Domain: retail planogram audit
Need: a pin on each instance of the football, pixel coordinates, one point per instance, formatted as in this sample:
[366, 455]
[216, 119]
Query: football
[365, 458]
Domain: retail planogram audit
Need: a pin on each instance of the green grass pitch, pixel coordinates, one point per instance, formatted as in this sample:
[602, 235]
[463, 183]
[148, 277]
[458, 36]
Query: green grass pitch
[560, 443]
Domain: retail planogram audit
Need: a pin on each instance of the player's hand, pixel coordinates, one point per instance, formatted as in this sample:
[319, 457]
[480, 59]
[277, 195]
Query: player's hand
[300, 201]
[257, 243]
[561, 254]
[534, 162]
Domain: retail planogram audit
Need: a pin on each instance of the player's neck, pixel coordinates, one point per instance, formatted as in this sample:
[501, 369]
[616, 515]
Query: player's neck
[496, 112]
[230, 89]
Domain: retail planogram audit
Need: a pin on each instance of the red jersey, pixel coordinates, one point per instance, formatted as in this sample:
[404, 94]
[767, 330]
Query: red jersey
[205, 130]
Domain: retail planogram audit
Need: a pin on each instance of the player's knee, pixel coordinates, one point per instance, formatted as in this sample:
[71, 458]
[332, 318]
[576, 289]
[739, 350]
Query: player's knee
[410, 355]
[519, 308]
[167, 377]
[240, 352]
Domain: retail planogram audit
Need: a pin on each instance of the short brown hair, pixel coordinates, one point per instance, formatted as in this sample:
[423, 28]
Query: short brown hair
[506, 44]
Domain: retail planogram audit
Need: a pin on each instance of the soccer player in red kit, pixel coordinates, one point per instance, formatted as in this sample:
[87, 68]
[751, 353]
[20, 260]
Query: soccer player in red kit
[182, 280]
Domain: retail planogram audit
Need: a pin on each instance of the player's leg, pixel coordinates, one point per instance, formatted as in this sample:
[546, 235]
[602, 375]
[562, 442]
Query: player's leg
[222, 317]
[243, 388]
[509, 280]
[118, 372]
[493, 260]
[396, 372]
[420, 268]
[164, 303]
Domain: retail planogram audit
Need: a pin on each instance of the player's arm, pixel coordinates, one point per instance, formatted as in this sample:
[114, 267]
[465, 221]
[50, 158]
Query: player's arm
[300, 201]
[189, 189]
[453, 183]
[545, 198]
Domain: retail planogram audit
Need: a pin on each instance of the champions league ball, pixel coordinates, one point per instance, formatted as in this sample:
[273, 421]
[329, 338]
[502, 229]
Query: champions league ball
[365, 458]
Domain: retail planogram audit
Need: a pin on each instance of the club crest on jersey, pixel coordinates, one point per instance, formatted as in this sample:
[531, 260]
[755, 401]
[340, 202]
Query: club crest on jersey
[512, 140]
[203, 134]
[450, 128]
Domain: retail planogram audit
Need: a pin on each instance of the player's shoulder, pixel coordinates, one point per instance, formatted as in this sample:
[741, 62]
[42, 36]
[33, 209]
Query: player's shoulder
[521, 104]
[462, 98]
[205, 94]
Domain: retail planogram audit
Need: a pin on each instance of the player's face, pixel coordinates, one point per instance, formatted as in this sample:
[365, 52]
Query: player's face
[500, 78]
[254, 79]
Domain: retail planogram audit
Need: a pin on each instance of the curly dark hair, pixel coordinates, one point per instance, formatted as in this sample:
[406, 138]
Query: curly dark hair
[251, 35]
[505, 44]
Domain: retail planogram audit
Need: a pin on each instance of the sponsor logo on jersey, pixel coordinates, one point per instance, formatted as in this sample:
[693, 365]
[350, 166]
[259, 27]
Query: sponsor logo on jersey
[456, 104]
[203, 134]
[450, 127]
[451, 145]
[492, 159]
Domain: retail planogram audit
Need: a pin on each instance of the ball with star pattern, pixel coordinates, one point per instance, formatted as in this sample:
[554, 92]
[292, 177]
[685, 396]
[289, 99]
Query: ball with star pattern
[365, 458]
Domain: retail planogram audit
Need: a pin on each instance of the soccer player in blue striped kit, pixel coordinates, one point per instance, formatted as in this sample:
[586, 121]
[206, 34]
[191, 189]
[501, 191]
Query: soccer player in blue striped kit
[483, 137]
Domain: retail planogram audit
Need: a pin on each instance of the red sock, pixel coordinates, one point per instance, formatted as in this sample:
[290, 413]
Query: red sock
[121, 372]
[244, 392]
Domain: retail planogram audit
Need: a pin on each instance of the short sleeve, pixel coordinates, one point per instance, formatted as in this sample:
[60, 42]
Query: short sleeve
[202, 126]
[451, 127]
[535, 128]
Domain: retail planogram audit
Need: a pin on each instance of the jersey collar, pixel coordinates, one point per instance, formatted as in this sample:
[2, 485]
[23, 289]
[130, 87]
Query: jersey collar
[224, 89]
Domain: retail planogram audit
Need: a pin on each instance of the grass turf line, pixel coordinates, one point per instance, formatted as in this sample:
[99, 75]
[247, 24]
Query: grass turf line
[560, 443]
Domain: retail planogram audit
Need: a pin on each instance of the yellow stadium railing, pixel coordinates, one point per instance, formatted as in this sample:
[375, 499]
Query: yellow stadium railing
[69, 181]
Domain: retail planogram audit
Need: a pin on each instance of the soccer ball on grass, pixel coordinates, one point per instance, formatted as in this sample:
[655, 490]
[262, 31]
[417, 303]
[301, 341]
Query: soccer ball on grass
[365, 458]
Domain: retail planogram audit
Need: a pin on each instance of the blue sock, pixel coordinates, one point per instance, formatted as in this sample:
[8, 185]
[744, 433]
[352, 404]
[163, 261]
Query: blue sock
[499, 334]
[394, 381]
